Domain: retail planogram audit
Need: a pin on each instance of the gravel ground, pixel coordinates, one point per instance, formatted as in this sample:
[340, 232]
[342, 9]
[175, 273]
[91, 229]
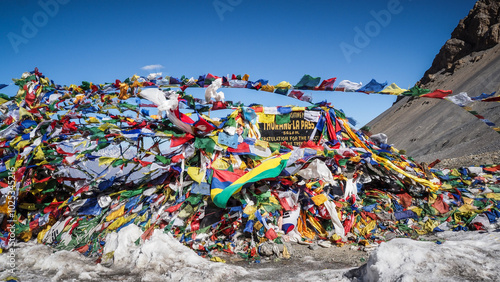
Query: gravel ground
[307, 263]
[472, 160]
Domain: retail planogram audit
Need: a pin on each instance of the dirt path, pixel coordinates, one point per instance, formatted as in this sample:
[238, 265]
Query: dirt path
[306, 264]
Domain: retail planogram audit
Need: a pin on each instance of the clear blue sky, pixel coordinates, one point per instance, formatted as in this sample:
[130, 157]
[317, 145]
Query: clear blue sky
[101, 41]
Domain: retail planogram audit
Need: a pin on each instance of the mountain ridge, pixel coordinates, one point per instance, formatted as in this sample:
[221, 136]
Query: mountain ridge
[430, 129]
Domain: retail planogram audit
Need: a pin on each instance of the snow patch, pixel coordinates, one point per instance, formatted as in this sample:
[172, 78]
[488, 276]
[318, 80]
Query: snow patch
[464, 256]
[161, 258]
[163, 255]
[36, 262]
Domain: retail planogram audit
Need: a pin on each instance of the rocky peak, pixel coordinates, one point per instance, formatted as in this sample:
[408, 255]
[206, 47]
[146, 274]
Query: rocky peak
[479, 30]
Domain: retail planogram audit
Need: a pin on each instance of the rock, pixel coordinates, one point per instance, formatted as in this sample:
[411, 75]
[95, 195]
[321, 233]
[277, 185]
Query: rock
[266, 249]
[313, 247]
[430, 129]
[478, 31]
[325, 244]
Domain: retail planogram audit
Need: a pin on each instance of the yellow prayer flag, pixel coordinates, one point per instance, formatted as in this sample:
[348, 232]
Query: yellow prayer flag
[430, 225]
[120, 221]
[261, 143]
[92, 120]
[317, 226]
[302, 227]
[207, 118]
[22, 144]
[250, 211]
[267, 88]
[368, 228]
[283, 84]
[217, 259]
[467, 201]
[194, 173]
[38, 91]
[494, 196]
[39, 155]
[106, 160]
[116, 214]
[467, 208]
[319, 199]
[42, 233]
[220, 164]
[416, 210]
[106, 126]
[446, 186]
[44, 81]
[393, 89]
[23, 112]
[265, 118]
[79, 98]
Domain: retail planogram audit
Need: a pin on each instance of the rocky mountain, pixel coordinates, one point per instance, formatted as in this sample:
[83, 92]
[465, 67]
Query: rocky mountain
[430, 129]
[479, 31]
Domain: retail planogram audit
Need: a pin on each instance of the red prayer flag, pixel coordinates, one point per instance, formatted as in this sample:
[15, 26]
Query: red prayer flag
[438, 94]
[176, 141]
[174, 208]
[312, 145]
[143, 163]
[494, 99]
[271, 234]
[327, 84]
[202, 126]
[441, 205]
[492, 169]
[177, 158]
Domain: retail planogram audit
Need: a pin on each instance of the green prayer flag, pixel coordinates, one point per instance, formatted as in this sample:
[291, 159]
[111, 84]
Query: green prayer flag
[131, 193]
[307, 82]
[416, 91]
[162, 159]
[282, 119]
[118, 162]
[206, 144]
